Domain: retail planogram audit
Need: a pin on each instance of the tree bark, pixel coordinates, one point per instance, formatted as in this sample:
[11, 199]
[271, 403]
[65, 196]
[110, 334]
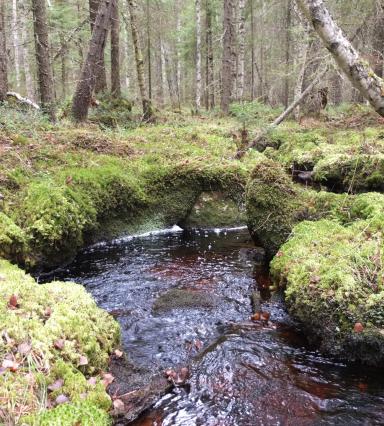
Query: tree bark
[209, 77]
[147, 108]
[362, 77]
[198, 56]
[287, 52]
[115, 51]
[241, 65]
[29, 84]
[101, 75]
[227, 64]
[3, 55]
[149, 48]
[16, 44]
[86, 84]
[44, 67]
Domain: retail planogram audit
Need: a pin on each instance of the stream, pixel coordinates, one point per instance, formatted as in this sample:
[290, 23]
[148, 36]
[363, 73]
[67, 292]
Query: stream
[183, 298]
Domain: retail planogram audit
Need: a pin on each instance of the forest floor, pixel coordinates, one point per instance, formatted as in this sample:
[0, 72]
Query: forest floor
[62, 186]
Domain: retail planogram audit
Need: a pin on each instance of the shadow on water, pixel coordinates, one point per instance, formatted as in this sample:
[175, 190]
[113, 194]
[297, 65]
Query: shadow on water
[184, 298]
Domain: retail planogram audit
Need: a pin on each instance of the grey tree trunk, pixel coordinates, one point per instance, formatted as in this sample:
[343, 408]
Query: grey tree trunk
[115, 50]
[198, 56]
[209, 77]
[241, 64]
[3, 55]
[362, 77]
[86, 84]
[101, 75]
[147, 108]
[44, 67]
[16, 43]
[227, 65]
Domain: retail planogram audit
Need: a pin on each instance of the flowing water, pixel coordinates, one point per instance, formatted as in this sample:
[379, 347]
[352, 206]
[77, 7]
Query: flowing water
[183, 298]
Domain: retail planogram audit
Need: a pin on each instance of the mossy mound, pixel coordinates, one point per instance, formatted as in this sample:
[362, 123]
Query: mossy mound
[55, 337]
[333, 276]
[342, 160]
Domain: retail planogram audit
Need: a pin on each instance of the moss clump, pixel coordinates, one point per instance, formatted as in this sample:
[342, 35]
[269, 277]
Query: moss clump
[12, 238]
[52, 332]
[334, 279]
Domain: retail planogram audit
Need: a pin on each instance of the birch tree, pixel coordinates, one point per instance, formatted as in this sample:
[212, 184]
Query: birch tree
[362, 77]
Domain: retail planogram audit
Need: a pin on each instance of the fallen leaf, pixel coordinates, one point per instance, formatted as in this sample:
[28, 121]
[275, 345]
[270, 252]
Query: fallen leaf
[10, 365]
[118, 353]
[83, 360]
[83, 395]
[198, 344]
[59, 344]
[265, 316]
[61, 399]
[48, 312]
[358, 328]
[256, 316]
[69, 180]
[13, 303]
[56, 385]
[107, 379]
[92, 381]
[24, 348]
[2, 277]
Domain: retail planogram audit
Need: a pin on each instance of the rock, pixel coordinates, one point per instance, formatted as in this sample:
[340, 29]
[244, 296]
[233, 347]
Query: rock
[256, 255]
[215, 210]
[181, 298]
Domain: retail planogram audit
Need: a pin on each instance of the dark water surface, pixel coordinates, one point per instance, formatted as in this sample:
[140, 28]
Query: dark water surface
[241, 373]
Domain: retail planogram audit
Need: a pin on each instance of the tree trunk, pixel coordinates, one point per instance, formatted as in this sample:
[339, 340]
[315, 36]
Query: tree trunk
[86, 84]
[362, 77]
[227, 65]
[287, 52]
[16, 44]
[147, 108]
[241, 66]
[115, 51]
[44, 67]
[210, 89]
[149, 59]
[29, 86]
[3, 55]
[198, 56]
[101, 75]
[252, 52]
[178, 56]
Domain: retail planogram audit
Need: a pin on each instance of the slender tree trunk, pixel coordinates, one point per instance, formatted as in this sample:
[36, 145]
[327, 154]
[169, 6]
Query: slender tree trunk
[168, 74]
[362, 77]
[227, 65]
[149, 51]
[241, 66]
[44, 67]
[287, 52]
[252, 51]
[198, 55]
[178, 58]
[3, 55]
[29, 86]
[147, 108]
[115, 50]
[101, 75]
[300, 78]
[16, 43]
[86, 84]
[63, 66]
[210, 88]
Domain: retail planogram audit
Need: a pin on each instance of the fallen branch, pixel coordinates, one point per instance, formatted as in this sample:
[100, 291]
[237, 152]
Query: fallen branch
[22, 100]
[283, 116]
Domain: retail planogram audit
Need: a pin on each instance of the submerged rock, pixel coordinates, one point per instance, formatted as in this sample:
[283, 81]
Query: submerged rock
[181, 298]
[215, 210]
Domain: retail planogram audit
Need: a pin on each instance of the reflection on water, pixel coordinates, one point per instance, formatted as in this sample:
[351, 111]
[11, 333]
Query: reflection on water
[242, 373]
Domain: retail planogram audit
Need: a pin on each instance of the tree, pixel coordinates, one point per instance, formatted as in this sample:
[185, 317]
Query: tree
[147, 108]
[3, 55]
[87, 82]
[115, 50]
[44, 66]
[241, 67]
[198, 55]
[210, 66]
[101, 75]
[362, 77]
[227, 63]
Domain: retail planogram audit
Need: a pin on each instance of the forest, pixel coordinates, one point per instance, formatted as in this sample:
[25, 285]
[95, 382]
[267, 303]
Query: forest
[191, 212]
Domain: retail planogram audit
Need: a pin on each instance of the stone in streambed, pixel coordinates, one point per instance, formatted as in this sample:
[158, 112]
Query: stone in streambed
[182, 298]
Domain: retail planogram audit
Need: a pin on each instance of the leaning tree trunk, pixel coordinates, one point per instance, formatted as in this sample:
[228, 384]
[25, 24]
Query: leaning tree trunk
[147, 108]
[362, 77]
[44, 66]
[198, 55]
[227, 65]
[101, 75]
[3, 55]
[115, 50]
[86, 84]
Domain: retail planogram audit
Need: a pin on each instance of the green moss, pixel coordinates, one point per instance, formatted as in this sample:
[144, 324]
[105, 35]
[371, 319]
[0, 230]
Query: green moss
[12, 238]
[333, 279]
[45, 315]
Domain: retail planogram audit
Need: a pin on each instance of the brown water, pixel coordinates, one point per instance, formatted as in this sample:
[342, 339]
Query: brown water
[241, 373]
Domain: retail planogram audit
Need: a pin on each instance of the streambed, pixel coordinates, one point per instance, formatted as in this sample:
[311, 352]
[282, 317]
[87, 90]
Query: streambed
[183, 298]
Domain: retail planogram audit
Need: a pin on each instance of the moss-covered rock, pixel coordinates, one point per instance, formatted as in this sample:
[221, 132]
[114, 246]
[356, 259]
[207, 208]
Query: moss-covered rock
[333, 276]
[52, 333]
[215, 209]
[12, 239]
